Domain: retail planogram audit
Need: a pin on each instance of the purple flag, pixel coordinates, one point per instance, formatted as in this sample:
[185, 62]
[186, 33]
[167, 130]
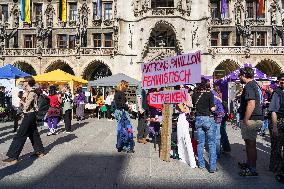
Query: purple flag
[224, 9]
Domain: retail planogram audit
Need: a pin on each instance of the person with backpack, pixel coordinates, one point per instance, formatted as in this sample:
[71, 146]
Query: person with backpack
[28, 127]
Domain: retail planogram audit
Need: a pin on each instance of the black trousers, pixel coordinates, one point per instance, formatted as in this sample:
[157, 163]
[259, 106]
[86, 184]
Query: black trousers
[108, 113]
[16, 118]
[67, 120]
[28, 128]
[142, 125]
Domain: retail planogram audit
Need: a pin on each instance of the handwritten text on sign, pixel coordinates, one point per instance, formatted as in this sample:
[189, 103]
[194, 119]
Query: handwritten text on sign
[172, 71]
[169, 97]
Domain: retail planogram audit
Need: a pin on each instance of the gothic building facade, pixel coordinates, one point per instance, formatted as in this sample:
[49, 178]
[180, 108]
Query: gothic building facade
[105, 37]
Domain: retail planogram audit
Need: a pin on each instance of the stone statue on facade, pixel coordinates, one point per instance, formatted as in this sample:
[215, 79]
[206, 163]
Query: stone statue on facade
[274, 8]
[238, 11]
[188, 7]
[179, 5]
[15, 13]
[49, 12]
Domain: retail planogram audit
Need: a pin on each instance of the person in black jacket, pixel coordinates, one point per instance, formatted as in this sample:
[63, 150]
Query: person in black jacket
[2, 96]
[43, 104]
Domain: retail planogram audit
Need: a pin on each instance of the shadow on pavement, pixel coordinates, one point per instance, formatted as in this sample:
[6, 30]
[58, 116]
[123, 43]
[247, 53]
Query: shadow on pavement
[26, 161]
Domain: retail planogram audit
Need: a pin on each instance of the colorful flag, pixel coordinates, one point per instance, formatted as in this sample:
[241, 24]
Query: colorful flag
[261, 7]
[26, 11]
[63, 10]
[224, 9]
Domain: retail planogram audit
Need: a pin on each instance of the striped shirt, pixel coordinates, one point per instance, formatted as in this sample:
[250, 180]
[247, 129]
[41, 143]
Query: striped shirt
[67, 97]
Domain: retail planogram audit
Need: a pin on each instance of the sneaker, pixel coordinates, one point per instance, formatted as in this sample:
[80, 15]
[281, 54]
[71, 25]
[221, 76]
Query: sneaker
[10, 160]
[38, 155]
[130, 151]
[49, 133]
[109, 120]
[248, 173]
[67, 132]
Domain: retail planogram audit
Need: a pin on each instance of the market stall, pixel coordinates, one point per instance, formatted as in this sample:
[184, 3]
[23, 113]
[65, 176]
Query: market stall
[60, 77]
[231, 86]
[8, 76]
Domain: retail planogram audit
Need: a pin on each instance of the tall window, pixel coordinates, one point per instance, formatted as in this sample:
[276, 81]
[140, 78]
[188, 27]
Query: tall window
[4, 10]
[95, 10]
[162, 3]
[107, 11]
[97, 39]
[162, 36]
[214, 38]
[62, 41]
[225, 37]
[215, 9]
[259, 39]
[252, 9]
[29, 41]
[108, 39]
[72, 42]
[37, 11]
[73, 11]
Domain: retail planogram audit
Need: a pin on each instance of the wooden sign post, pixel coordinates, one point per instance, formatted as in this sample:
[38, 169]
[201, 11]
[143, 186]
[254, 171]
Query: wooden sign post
[172, 71]
[166, 132]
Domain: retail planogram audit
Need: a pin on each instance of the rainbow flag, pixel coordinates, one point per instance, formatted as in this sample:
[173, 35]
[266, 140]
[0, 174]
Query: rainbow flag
[63, 10]
[26, 11]
[261, 7]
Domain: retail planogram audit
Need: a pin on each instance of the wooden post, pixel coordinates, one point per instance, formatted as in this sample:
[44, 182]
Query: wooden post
[166, 132]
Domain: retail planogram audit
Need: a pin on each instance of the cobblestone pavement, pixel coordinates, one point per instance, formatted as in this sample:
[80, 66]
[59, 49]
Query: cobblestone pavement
[87, 159]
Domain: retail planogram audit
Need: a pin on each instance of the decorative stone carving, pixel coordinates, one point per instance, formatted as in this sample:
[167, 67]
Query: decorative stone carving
[223, 21]
[179, 5]
[239, 8]
[49, 12]
[108, 22]
[274, 8]
[15, 13]
[188, 7]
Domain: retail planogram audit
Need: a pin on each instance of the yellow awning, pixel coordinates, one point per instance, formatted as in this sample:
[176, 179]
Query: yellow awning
[57, 76]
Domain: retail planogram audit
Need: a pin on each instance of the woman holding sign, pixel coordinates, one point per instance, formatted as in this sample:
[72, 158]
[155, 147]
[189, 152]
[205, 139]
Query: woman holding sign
[205, 125]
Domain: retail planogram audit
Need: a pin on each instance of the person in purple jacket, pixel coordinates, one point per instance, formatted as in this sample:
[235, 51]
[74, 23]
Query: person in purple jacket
[80, 104]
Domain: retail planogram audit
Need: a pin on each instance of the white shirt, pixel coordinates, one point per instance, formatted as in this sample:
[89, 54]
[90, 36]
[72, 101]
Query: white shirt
[109, 99]
[15, 97]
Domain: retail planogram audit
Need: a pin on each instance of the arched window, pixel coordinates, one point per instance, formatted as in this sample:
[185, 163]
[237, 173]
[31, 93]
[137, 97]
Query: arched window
[162, 36]
[162, 3]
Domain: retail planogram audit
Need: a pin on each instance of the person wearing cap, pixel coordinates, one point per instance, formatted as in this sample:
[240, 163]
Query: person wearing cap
[276, 108]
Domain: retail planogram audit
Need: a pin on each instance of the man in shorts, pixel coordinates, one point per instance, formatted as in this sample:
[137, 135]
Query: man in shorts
[251, 116]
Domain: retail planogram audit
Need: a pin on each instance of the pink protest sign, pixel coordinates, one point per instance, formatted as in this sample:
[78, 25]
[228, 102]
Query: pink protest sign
[172, 71]
[169, 97]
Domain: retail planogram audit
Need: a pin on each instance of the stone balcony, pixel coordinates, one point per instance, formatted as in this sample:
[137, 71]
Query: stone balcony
[30, 52]
[233, 50]
[165, 11]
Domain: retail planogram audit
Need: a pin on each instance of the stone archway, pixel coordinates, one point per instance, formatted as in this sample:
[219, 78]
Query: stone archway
[96, 70]
[25, 67]
[163, 37]
[269, 67]
[61, 65]
[224, 68]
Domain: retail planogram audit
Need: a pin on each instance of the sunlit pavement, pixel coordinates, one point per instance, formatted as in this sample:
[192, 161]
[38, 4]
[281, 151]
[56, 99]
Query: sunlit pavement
[87, 159]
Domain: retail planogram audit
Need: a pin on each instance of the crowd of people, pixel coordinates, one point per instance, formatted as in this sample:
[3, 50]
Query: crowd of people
[205, 111]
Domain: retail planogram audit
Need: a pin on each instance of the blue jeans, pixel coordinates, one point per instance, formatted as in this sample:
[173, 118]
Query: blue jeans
[264, 127]
[218, 139]
[206, 127]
